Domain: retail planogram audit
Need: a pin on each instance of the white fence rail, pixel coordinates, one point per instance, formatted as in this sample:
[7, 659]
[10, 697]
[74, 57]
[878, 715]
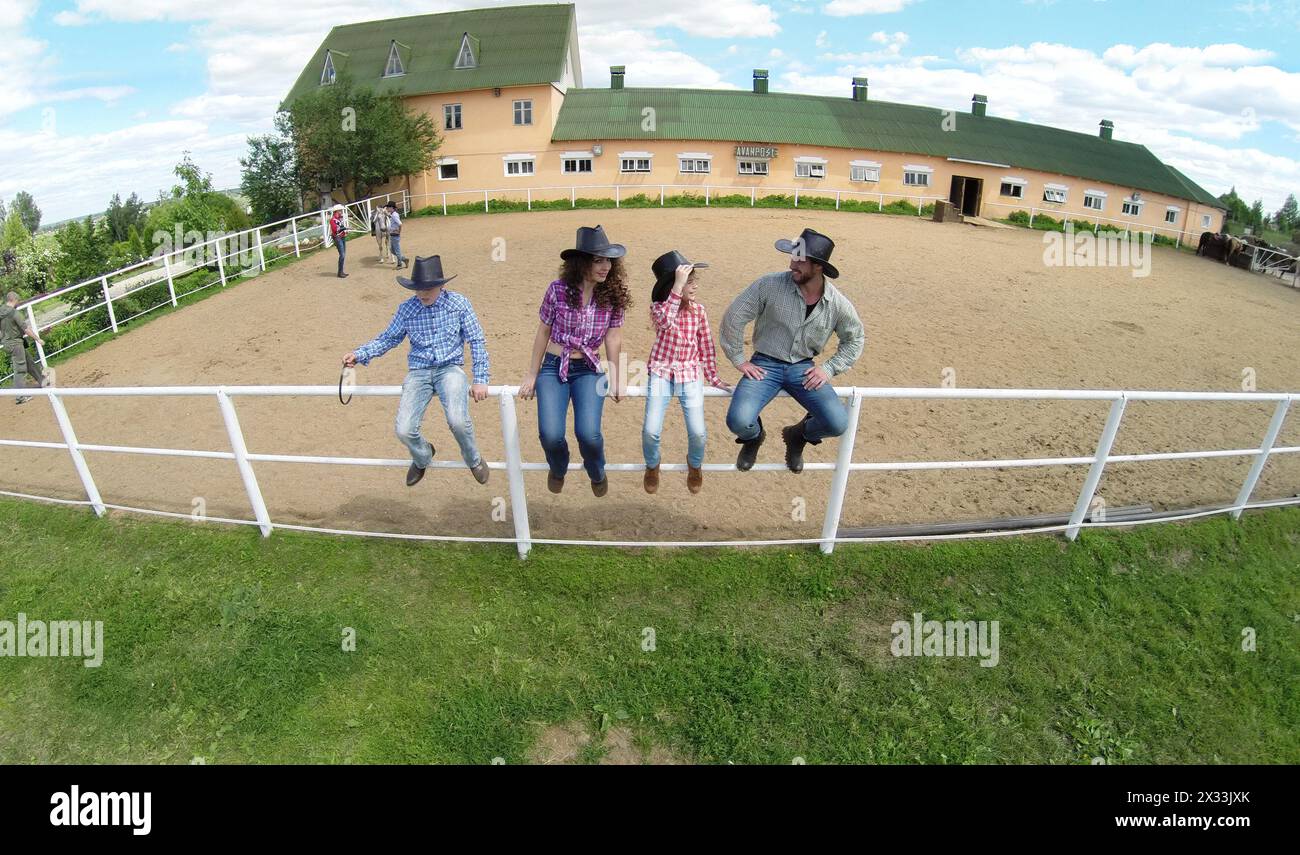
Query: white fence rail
[175, 262]
[514, 465]
[1275, 262]
[1130, 224]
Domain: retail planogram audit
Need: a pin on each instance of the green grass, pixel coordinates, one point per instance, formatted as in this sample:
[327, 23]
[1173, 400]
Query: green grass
[221, 645]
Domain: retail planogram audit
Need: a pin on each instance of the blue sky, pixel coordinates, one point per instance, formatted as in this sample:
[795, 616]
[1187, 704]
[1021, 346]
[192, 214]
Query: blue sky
[105, 95]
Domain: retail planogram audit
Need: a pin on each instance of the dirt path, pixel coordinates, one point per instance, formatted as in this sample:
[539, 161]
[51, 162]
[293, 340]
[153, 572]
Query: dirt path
[932, 297]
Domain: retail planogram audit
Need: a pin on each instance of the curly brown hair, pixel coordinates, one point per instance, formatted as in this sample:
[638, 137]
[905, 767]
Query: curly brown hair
[612, 293]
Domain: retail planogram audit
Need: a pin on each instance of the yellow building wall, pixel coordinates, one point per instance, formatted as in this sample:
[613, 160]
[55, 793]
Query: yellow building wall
[489, 133]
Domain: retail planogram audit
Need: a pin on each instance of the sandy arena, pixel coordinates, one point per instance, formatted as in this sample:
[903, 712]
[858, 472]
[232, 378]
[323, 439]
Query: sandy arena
[932, 296]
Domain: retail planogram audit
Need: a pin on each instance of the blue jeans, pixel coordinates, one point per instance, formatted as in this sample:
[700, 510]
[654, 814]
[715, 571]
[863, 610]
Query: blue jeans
[584, 387]
[659, 392]
[342, 246]
[395, 247]
[452, 388]
[826, 415]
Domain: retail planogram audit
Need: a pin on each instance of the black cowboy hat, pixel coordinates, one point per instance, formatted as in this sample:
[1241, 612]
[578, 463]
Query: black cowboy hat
[665, 271]
[814, 246]
[592, 241]
[427, 273]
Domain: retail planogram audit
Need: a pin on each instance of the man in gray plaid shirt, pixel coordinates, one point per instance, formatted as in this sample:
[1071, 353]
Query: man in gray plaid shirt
[794, 313]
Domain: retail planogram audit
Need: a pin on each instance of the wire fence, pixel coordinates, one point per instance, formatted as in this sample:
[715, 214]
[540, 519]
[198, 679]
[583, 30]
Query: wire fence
[1082, 516]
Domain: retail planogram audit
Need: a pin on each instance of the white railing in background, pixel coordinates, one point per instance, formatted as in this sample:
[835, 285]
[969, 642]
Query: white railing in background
[1275, 262]
[620, 192]
[514, 464]
[1130, 225]
[170, 265]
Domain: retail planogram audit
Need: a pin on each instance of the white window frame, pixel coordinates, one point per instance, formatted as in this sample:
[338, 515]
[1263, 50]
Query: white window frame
[448, 161]
[465, 56]
[523, 108]
[1175, 210]
[694, 162]
[812, 167]
[1207, 220]
[457, 112]
[635, 158]
[864, 171]
[754, 163]
[1056, 194]
[1099, 195]
[394, 54]
[519, 160]
[1017, 184]
[1135, 205]
[328, 74]
[577, 157]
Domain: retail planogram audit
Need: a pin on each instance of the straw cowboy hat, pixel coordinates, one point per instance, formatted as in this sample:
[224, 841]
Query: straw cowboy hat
[814, 246]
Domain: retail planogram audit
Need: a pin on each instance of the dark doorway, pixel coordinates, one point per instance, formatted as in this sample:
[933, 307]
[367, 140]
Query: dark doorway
[965, 194]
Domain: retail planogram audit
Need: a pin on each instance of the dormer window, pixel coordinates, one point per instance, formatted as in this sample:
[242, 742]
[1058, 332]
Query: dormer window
[468, 56]
[394, 68]
[327, 73]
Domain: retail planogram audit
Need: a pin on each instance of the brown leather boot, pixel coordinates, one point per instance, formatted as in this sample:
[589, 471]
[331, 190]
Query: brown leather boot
[600, 488]
[554, 484]
[694, 479]
[651, 480]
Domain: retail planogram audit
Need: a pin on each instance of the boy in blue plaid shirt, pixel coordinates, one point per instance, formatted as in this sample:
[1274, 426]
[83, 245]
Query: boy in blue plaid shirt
[439, 323]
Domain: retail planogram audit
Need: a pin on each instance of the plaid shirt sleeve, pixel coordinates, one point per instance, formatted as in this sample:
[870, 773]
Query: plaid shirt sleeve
[547, 311]
[616, 318]
[852, 338]
[472, 331]
[708, 354]
[664, 313]
[386, 340]
[744, 309]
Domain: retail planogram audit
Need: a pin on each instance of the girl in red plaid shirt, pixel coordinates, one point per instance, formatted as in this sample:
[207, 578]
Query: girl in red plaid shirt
[682, 358]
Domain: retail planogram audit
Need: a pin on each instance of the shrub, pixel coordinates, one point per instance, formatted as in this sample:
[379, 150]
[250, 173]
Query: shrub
[901, 206]
[1020, 218]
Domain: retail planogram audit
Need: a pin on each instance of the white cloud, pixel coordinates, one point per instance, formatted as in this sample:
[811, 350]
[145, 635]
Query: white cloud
[650, 61]
[847, 8]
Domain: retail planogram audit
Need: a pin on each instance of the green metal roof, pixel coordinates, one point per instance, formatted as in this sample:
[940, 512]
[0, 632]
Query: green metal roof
[515, 46]
[778, 117]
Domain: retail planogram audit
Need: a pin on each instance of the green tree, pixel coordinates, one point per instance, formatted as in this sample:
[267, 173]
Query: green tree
[83, 255]
[1288, 216]
[355, 140]
[1257, 215]
[122, 216]
[270, 176]
[192, 207]
[16, 233]
[25, 205]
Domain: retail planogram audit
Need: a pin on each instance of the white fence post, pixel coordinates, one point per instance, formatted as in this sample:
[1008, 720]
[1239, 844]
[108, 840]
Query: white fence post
[221, 264]
[515, 474]
[796, 197]
[837, 200]
[661, 195]
[325, 238]
[78, 460]
[40, 348]
[296, 251]
[751, 196]
[241, 460]
[406, 202]
[485, 201]
[618, 201]
[706, 195]
[840, 480]
[444, 204]
[171, 285]
[1270, 437]
[573, 197]
[1031, 216]
[530, 198]
[108, 301]
[1098, 465]
[261, 256]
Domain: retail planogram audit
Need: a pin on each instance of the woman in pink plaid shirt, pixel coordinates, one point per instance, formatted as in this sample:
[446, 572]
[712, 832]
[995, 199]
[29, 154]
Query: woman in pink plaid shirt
[682, 358]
